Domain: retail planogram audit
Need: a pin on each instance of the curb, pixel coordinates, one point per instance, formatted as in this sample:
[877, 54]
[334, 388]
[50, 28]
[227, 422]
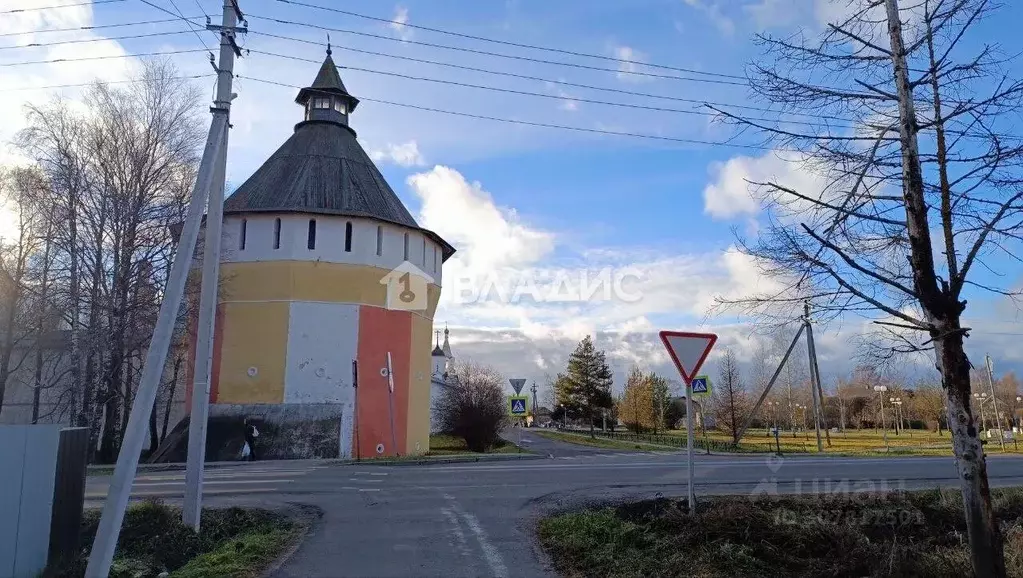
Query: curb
[442, 460]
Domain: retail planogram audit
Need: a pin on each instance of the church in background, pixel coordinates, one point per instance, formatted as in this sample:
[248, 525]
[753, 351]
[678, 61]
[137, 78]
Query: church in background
[311, 242]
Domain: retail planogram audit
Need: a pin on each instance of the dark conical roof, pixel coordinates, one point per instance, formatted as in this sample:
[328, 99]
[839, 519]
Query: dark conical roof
[328, 77]
[322, 169]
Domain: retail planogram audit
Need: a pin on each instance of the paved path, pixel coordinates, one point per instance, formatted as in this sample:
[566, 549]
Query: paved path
[477, 519]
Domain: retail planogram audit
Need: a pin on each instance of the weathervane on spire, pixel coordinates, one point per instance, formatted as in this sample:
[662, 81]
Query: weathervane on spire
[328, 44]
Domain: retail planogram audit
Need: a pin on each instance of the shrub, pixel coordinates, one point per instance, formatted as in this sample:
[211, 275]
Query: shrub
[472, 406]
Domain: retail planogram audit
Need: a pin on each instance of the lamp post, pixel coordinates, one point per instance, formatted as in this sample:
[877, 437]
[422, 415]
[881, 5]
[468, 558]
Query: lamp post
[981, 398]
[1014, 416]
[897, 402]
[880, 389]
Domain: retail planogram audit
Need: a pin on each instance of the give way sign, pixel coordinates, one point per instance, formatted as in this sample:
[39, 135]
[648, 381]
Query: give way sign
[688, 350]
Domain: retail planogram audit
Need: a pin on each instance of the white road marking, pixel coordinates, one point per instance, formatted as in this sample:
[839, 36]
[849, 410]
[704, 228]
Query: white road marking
[364, 480]
[369, 489]
[493, 557]
[139, 484]
[369, 474]
[463, 544]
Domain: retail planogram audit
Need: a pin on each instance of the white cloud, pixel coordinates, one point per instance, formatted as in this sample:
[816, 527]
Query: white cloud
[406, 154]
[488, 237]
[398, 23]
[729, 194]
[712, 10]
[629, 61]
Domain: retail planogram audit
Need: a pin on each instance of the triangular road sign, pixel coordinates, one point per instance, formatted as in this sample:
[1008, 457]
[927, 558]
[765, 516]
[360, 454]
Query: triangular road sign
[517, 385]
[688, 350]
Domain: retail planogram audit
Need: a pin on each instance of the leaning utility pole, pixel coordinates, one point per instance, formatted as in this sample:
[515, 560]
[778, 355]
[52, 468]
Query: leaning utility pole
[105, 542]
[191, 512]
[816, 390]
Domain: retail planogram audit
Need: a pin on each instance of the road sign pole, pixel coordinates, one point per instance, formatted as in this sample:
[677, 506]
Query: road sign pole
[689, 446]
[689, 351]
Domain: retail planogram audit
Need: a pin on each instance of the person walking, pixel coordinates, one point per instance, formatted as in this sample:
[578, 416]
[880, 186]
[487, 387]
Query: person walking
[251, 433]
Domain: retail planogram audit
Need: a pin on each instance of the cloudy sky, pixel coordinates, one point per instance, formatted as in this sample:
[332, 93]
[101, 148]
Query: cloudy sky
[647, 224]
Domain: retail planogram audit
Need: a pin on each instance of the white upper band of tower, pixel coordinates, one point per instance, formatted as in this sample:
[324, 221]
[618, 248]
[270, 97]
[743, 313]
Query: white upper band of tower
[288, 237]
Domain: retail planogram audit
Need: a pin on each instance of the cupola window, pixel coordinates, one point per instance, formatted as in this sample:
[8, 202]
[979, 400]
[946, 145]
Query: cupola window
[339, 106]
[321, 103]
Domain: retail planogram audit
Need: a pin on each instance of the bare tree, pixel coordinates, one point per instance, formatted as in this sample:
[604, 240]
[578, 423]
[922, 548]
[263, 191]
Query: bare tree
[733, 403]
[473, 407]
[118, 172]
[915, 185]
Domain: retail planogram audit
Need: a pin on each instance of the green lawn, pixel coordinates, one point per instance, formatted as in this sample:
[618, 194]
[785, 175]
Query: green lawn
[850, 442]
[447, 445]
[584, 439]
[233, 543]
[843, 536]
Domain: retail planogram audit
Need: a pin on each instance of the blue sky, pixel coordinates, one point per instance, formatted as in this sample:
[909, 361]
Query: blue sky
[519, 198]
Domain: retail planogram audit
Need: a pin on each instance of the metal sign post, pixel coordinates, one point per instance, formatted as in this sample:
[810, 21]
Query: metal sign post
[689, 351]
[390, 402]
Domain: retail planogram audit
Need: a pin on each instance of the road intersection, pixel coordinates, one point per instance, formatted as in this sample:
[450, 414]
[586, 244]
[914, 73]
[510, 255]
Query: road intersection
[478, 519]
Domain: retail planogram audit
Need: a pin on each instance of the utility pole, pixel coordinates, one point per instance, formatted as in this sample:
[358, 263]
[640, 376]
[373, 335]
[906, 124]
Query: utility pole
[994, 401]
[812, 363]
[536, 414]
[815, 375]
[191, 512]
[105, 542]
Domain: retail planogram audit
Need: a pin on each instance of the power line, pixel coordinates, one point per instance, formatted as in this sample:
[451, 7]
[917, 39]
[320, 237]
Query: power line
[83, 84]
[102, 39]
[180, 15]
[531, 123]
[108, 57]
[549, 80]
[500, 55]
[509, 43]
[96, 27]
[521, 92]
[92, 3]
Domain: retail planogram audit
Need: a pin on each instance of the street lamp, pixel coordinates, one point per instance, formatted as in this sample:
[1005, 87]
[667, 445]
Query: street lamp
[880, 389]
[982, 397]
[897, 402]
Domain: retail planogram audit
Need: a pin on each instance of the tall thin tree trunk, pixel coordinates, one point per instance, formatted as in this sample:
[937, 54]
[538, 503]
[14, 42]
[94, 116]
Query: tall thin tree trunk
[943, 312]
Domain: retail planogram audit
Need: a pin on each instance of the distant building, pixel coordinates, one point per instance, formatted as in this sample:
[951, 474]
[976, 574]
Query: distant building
[440, 377]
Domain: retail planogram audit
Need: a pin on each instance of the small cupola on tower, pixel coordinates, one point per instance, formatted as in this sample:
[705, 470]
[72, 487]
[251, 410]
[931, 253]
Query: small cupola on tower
[327, 99]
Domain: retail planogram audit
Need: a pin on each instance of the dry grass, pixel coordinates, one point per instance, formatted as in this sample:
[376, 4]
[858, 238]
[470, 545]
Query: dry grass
[848, 536]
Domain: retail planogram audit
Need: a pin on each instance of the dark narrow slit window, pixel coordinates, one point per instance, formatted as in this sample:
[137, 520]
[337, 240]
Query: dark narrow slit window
[277, 233]
[380, 240]
[406, 246]
[435, 259]
[311, 243]
[241, 242]
[348, 237]
[424, 252]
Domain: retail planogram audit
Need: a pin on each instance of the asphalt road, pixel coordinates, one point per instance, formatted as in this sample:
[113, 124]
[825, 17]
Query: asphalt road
[477, 519]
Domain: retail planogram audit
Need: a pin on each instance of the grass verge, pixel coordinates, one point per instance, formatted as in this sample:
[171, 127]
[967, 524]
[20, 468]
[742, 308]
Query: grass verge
[843, 536]
[233, 542]
[448, 445]
[598, 442]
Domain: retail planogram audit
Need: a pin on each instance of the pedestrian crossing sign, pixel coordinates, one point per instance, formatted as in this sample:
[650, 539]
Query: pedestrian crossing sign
[517, 405]
[701, 386]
